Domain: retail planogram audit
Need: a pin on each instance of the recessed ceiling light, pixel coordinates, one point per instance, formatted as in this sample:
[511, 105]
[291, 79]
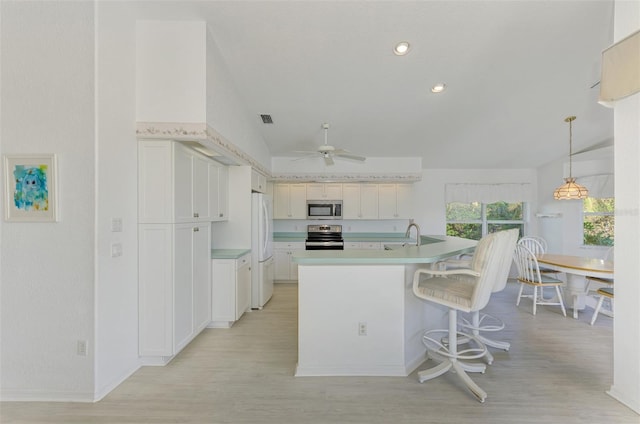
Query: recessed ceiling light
[401, 48]
[438, 88]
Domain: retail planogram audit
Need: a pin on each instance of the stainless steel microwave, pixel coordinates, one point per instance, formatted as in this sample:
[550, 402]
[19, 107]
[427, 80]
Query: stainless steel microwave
[324, 209]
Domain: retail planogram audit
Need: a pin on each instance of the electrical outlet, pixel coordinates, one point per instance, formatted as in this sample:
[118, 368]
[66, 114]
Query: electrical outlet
[81, 348]
[116, 250]
[362, 329]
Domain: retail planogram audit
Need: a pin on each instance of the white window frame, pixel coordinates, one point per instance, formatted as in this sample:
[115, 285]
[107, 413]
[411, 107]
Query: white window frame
[584, 214]
[485, 222]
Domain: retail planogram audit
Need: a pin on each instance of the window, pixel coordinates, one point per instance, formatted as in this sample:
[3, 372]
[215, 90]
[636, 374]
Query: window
[474, 220]
[598, 221]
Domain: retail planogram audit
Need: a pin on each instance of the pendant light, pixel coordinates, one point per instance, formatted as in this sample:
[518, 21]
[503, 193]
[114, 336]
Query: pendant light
[570, 190]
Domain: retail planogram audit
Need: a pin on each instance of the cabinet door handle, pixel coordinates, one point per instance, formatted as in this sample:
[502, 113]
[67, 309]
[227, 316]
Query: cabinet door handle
[221, 215]
[196, 215]
[195, 229]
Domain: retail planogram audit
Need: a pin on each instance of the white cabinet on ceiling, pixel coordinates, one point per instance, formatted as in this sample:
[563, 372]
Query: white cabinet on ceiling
[285, 268]
[289, 201]
[394, 201]
[258, 182]
[173, 183]
[324, 191]
[218, 191]
[360, 201]
[231, 290]
[174, 287]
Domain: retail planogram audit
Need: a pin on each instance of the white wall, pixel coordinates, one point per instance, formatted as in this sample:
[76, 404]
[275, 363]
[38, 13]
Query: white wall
[626, 324]
[47, 279]
[373, 165]
[564, 233]
[116, 296]
[171, 71]
[225, 111]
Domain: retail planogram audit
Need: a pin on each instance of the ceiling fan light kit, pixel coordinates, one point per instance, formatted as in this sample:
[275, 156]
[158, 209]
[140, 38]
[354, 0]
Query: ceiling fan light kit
[570, 190]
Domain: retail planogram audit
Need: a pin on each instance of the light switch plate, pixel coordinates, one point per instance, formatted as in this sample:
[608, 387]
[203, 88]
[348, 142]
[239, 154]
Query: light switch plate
[116, 225]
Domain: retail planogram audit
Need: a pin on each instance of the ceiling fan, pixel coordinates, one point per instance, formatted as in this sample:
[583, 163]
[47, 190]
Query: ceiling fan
[329, 152]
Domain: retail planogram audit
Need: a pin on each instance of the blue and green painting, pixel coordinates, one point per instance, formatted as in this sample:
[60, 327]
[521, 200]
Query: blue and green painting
[31, 192]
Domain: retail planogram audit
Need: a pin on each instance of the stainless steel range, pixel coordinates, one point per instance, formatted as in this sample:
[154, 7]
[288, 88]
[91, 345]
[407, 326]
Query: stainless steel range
[324, 237]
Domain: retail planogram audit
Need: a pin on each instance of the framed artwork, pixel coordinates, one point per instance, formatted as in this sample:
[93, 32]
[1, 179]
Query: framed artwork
[30, 188]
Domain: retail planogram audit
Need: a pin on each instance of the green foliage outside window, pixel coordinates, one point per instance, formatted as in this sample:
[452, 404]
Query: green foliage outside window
[598, 221]
[472, 220]
[504, 211]
[468, 231]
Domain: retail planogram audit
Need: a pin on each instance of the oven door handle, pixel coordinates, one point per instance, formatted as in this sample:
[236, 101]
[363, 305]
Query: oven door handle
[324, 243]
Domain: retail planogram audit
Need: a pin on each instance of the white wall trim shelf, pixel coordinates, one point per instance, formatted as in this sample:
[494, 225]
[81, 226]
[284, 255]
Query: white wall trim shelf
[549, 215]
[409, 177]
[220, 148]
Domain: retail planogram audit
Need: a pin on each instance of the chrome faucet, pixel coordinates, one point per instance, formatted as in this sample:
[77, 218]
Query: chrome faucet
[413, 224]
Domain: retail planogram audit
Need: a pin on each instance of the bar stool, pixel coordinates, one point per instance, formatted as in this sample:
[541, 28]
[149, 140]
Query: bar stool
[466, 290]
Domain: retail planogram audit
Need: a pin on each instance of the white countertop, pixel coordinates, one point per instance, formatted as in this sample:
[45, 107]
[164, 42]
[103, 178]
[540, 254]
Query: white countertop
[426, 253]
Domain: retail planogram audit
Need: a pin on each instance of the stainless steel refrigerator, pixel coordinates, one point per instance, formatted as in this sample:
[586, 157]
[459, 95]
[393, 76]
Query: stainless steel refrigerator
[262, 266]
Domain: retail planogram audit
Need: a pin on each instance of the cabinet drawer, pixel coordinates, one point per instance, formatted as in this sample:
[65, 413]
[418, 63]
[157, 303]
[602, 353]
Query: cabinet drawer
[289, 245]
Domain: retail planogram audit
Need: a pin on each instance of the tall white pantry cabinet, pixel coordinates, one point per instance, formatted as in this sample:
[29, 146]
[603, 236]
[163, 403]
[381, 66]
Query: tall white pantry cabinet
[174, 217]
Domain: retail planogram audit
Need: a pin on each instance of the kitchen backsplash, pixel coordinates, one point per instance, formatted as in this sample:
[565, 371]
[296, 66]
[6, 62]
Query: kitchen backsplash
[348, 226]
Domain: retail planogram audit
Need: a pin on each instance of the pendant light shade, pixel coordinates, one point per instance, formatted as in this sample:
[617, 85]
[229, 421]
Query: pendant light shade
[570, 190]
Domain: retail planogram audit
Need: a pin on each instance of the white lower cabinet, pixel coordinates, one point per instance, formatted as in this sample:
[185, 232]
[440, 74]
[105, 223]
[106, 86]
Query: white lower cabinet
[230, 290]
[286, 269]
[372, 245]
[174, 287]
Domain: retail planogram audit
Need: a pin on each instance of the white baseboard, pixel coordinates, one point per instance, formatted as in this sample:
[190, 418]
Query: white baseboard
[45, 396]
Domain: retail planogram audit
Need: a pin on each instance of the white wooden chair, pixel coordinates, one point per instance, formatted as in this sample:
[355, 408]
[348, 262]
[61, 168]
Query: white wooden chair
[602, 288]
[529, 274]
[538, 246]
[595, 283]
[605, 293]
[468, 290]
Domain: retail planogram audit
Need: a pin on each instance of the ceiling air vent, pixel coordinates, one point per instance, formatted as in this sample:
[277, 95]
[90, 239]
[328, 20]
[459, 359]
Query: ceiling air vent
[266, 119]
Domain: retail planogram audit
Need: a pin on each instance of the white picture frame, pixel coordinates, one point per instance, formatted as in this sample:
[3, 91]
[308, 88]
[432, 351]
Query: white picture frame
[31, 188]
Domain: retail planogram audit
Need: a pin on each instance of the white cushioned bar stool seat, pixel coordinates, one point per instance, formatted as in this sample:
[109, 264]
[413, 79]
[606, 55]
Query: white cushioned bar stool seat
[466, 290]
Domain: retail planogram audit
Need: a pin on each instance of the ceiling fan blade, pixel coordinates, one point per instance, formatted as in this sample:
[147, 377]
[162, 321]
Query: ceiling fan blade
[328, 160]
[303, 157]
[347, 154]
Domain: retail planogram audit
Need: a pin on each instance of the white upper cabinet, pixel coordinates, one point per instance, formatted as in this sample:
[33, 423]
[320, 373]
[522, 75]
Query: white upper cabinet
[173, 183]
[289, 201]
[394, 201]
[322, 191]
[360, 201]
[258, 182]
[218, 191]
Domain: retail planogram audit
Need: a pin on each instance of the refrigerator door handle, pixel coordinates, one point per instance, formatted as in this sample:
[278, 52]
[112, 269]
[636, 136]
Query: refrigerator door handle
[266, 227]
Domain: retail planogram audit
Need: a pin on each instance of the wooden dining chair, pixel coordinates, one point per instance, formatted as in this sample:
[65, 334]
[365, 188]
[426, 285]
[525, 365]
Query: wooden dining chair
[605, 293]
[538, 246]
[529, 275]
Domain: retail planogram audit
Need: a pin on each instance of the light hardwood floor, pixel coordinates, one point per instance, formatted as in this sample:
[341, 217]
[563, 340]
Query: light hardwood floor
[557, 371]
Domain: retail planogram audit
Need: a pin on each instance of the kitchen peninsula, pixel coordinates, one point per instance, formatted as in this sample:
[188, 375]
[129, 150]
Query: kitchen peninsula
[357, 314]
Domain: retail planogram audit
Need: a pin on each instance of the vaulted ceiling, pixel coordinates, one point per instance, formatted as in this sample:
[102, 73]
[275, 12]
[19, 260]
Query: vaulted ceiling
[513, 71]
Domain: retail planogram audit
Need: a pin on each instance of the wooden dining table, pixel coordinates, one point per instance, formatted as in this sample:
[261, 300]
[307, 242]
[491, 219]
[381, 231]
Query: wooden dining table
[577, 268]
